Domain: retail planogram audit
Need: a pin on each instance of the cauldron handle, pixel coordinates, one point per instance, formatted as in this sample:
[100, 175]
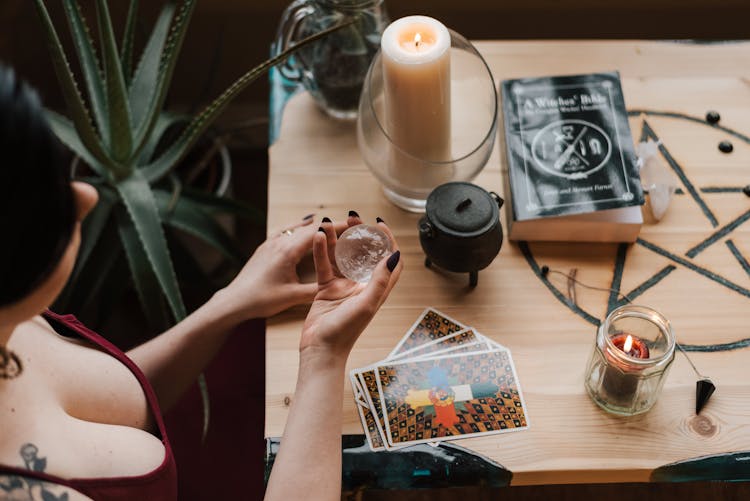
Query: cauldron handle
[497, 198]
[426, 229]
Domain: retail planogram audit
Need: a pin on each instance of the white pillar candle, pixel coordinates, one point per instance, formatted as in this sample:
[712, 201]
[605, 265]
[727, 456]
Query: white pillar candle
[417, 89]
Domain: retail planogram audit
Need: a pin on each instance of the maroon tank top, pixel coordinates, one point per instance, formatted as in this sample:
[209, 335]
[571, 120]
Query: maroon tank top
[159, 484]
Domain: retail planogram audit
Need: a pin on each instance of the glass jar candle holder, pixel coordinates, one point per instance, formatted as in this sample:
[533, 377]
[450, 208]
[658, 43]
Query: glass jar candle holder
[408, 176]
[631, 357]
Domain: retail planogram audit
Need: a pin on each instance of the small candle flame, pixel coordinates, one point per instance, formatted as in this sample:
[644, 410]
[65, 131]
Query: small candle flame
[417, 39]
[628, 344]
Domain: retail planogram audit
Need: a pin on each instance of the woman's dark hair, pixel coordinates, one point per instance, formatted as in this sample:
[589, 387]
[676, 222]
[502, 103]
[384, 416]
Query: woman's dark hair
[37, 207]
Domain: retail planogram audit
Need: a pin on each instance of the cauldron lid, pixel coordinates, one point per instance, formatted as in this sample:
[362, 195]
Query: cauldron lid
[461, 209]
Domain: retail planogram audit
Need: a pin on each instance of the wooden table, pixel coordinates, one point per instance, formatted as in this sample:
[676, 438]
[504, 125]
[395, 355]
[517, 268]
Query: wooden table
[692, 266]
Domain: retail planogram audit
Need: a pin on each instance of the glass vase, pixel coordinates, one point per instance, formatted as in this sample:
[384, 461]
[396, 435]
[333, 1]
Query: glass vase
[333, 69]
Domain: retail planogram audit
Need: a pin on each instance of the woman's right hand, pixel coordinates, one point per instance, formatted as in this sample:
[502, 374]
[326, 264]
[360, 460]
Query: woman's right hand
[342, 308]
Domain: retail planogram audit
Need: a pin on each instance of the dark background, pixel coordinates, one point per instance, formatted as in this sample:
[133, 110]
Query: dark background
[227, 37]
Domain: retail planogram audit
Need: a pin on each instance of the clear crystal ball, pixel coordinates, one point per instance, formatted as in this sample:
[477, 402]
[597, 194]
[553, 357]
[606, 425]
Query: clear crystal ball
[359, 250]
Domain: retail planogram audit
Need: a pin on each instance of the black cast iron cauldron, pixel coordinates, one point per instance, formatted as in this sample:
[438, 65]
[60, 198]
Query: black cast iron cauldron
[461, 229]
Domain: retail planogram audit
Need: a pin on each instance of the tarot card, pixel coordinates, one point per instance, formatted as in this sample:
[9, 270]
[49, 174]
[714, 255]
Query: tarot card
[430, 326]
[465, 336]
[449, 397]
[359, 395]
[372, 432]
[369, 425]
[369, 383]
[465, 341]
[472, 347]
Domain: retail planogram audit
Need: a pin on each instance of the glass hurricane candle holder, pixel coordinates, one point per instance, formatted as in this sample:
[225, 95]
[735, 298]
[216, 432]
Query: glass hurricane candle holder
[407, 176]
[632, 354]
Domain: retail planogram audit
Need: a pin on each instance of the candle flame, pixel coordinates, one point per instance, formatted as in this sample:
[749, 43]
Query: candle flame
[628, 344]
[417, 39]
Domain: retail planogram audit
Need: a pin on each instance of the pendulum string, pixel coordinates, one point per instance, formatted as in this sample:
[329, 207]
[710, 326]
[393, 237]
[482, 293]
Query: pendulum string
[704, 386]
[690, 362]
[571, 277]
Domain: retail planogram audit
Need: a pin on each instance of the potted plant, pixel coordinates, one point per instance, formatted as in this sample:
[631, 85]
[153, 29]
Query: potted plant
[119, 132]
[139, 193]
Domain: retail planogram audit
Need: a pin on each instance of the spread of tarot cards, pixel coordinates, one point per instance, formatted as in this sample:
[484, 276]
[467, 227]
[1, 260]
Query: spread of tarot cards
[443, 381]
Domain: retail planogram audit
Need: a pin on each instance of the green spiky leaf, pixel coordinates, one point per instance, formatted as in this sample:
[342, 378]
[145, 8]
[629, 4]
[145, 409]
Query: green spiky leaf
[90, 67]
[120, 134]
[138, 198]
[66, 133]
[169, 55]
[145, 281]
[128, 42]
[143, 84]
[73, 100]
[165, 121]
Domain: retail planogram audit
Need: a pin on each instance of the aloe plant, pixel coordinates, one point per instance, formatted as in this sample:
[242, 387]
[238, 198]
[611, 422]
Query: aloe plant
[118, 132]
[119, 143]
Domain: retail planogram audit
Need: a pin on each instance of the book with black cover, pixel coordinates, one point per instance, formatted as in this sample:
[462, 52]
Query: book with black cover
[570, 166]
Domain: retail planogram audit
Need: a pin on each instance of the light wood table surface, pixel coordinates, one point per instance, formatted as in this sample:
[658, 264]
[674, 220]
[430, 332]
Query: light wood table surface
[315, 166]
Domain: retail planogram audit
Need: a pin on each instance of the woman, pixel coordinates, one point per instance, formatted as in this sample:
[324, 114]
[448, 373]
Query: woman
[79, 419]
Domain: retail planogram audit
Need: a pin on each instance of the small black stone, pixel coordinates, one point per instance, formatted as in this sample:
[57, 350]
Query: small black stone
[713, 117]
[746, 190]
[726, 146]
[703, 391]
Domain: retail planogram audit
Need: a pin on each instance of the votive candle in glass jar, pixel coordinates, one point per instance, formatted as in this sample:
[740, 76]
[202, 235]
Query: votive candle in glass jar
[632, 354]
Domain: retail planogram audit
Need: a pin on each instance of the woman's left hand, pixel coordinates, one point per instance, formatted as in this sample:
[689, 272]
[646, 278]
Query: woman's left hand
[343, 308]
[268, 283]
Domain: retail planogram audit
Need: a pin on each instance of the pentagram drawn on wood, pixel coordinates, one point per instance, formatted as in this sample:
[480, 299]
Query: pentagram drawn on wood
[721, 234]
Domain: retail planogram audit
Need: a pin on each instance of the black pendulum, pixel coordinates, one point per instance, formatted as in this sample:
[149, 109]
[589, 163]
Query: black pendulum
[704, 387]
[703, 391]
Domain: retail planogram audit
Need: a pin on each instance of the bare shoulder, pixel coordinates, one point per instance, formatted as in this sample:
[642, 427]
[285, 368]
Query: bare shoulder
[22, 488]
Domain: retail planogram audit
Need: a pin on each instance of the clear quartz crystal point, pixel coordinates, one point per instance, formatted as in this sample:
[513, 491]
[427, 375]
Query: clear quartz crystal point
[657, 179]
[359, 250]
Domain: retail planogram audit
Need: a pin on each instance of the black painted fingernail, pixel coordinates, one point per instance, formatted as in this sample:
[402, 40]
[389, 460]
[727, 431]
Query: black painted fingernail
[309, 216]
[393, 261]
[353, 214]
[326, 220]
[379, 219]
[320, 228]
